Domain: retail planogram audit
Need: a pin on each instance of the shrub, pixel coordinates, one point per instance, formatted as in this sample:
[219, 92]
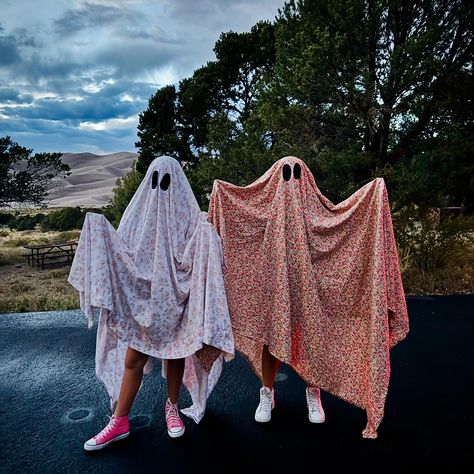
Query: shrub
[23, 223]
[122, 193]
[65, 236]
[435, 256]
[432, 244]
[5, 218]
[63, 219]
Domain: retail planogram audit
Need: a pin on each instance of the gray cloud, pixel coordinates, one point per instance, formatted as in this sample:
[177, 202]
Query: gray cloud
[14, 96]
[90, 16]
[38, 67]
[205, 7]
[99, 61]
[59, 136]
[8, 50]
[211, 14]
[137, 56]
[106, 104]
[24, 38]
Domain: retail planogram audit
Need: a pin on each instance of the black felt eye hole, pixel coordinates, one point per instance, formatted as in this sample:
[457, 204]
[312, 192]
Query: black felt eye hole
[297, 171]
[165, 182]
[154, 180]
[286, 172]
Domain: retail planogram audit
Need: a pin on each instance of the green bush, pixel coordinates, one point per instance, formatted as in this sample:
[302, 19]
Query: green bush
[6, 218]
[69, 218]
[63, 219]
[435, 255]
[122, 193]
[25, 222]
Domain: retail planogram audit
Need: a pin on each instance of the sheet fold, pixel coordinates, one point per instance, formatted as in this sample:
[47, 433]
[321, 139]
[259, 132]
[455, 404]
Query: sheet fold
[318, 283]
[158, 283]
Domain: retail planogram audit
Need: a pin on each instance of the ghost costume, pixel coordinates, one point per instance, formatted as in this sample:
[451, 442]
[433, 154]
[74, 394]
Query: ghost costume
[318, 283]
[158, 282]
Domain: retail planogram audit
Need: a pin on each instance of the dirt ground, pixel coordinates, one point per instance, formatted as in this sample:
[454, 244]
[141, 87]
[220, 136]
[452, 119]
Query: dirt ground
[25, 288]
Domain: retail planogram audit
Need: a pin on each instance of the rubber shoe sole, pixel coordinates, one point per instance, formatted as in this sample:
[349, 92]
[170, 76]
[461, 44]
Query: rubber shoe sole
[176, 434]
[316, 421]
[265, 420]
[90, 447]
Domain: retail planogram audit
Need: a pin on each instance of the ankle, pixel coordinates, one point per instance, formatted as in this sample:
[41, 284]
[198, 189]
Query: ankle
[121, 419]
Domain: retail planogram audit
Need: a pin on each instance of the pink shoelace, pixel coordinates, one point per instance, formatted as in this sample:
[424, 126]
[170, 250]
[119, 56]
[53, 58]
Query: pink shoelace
[107, 430]
[172, 416]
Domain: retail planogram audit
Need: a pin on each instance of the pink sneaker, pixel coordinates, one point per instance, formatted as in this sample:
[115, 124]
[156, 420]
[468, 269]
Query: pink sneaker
[173, 421]
[117, 428]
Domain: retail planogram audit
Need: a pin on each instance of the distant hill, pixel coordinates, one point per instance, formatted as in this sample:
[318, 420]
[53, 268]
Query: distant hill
[91, 180]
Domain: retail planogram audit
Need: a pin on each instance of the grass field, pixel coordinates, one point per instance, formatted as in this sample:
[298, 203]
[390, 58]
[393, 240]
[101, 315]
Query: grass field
[24, 288]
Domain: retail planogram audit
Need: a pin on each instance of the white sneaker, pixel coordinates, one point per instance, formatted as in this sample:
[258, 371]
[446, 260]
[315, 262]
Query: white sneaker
[315, 408]
[266, 405]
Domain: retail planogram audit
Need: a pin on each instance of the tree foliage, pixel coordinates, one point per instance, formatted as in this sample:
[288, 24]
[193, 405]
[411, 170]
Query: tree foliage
[26, 178]
[123, 191]
[356, 88]
[210, 107]
[368, 79]
[63, 219]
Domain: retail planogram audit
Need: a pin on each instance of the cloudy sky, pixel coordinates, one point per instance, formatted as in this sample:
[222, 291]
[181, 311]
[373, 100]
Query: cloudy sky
[75, 74]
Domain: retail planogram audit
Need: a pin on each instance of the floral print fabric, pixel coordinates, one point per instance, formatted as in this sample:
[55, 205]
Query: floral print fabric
[158, 282]
[318, 283]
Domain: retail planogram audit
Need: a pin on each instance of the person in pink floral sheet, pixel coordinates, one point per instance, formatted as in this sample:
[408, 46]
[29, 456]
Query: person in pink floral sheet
[158, 283]
[313, 284]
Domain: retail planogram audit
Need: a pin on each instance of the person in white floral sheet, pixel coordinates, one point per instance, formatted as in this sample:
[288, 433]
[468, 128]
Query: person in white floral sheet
[157, 281]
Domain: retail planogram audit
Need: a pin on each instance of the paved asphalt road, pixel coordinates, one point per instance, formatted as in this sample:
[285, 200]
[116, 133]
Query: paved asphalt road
[51, 402]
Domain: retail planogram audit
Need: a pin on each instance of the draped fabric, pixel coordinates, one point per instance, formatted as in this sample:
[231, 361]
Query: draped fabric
[318, 283]
[158, 282]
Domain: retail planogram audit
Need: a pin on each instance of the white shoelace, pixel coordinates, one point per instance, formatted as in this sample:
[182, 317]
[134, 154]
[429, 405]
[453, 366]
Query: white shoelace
[172, 416]
[265, 401]
[106, 430]
[313, 402]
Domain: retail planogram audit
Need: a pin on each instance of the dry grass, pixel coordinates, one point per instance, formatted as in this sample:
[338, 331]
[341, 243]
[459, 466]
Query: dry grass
[23, 288]
[456, 277]
[436, 257]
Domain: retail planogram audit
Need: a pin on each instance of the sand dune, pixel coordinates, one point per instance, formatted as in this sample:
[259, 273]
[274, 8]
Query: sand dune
[91, 180]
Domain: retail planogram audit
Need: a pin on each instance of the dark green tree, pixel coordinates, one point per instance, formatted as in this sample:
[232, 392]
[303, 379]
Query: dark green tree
[123, 191]
[26, 179]
[177, 122]
[159, 131]
[63, 219]
[356, 88]
[358, 82]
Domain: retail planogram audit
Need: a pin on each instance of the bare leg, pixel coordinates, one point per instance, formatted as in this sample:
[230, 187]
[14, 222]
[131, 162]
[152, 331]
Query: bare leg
[132, 377]
[270, 366]
[174, 378]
